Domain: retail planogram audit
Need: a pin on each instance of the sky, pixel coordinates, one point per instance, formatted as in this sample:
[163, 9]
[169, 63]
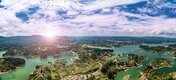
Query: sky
[88, 17]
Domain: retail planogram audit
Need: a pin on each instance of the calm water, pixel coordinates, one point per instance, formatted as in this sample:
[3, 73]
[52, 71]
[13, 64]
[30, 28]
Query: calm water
[29, 67]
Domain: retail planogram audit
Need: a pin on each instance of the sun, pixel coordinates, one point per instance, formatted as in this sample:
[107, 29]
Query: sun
[49, 34]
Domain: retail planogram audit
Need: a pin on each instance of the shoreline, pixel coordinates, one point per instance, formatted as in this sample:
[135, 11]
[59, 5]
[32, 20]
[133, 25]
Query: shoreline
[127, 77]
[1, 73]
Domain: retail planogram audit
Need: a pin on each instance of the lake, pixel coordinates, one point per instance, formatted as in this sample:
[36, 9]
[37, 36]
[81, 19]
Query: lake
[31, 63]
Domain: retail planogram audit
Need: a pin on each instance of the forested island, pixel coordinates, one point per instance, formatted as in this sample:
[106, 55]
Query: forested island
[10, 64]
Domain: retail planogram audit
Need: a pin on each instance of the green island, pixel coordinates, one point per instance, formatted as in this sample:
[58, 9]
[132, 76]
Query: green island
[160, 62]
[157, 49]
[10, 64]
[149, 74]
[160, 49]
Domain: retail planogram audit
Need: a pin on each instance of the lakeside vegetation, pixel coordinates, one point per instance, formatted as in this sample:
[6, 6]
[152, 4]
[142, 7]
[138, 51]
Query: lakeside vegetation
[174, 54]
[86, 66]
[10, 64]
[157, 76]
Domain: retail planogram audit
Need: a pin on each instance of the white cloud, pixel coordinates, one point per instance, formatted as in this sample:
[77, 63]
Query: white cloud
[85, 21]
[99, 4]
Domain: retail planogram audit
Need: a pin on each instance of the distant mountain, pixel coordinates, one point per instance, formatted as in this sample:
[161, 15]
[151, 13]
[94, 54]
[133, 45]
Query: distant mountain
[34, 38]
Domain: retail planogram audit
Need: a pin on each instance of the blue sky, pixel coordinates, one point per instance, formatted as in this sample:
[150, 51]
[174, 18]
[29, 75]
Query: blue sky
[88, 17]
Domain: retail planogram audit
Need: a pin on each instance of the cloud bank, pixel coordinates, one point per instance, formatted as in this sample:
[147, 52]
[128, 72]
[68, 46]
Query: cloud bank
[88, 17]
